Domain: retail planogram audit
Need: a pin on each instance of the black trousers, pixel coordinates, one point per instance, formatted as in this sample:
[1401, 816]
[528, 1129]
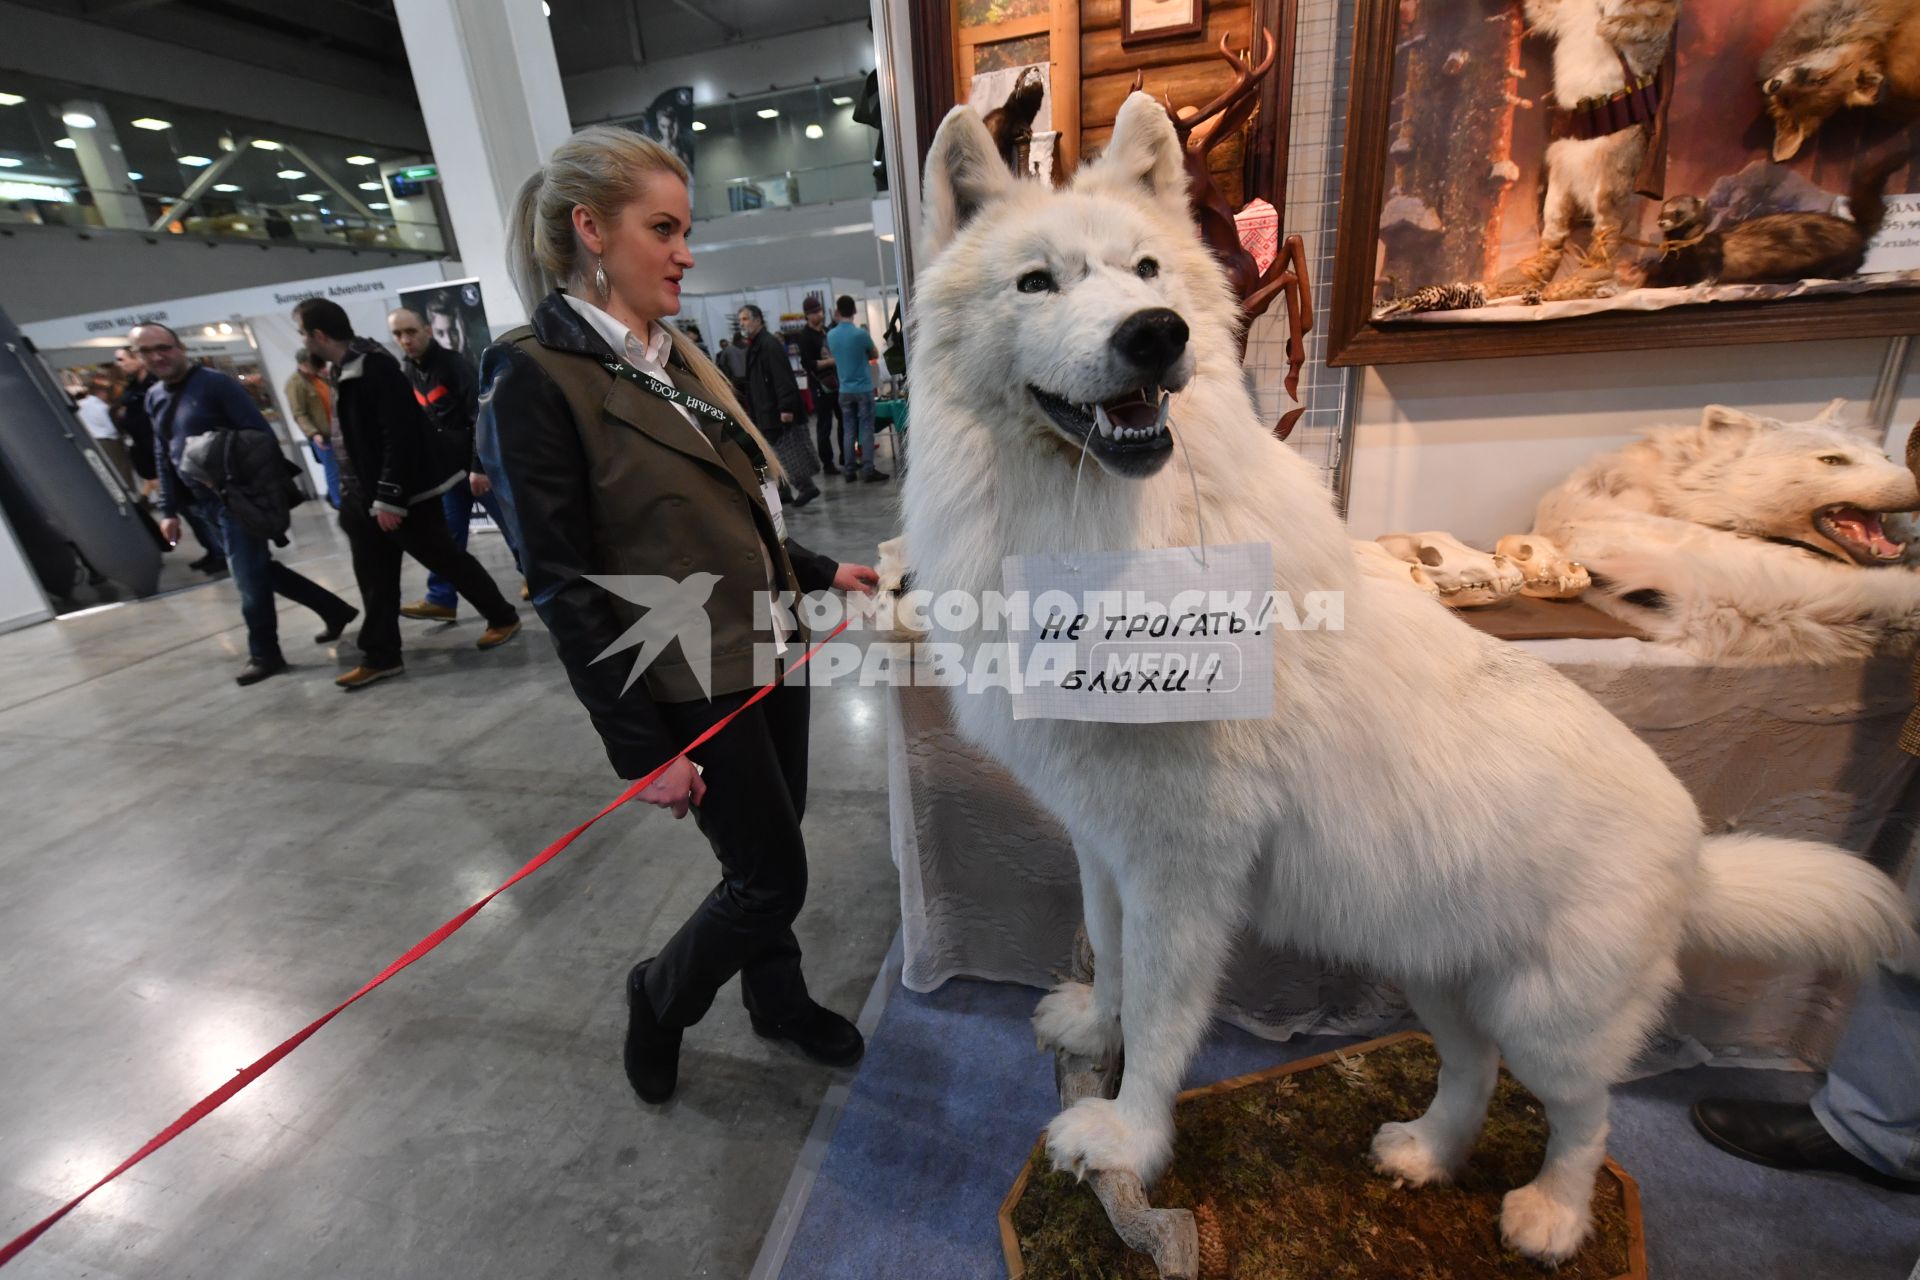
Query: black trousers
[826, 406]
[376, 567]
[756, 775]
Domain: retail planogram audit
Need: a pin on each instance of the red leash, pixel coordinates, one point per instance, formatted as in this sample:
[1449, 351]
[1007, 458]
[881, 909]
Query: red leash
[247, 1075]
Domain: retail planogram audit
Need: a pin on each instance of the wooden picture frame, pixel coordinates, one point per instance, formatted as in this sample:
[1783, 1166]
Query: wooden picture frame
[1138, 27]
[1355, 339]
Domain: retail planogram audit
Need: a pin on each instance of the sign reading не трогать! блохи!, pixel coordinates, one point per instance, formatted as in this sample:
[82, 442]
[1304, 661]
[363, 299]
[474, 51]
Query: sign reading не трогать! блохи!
[1144, 637]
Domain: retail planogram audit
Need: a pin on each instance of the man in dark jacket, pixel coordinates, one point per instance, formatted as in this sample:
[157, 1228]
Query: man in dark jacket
[823, 384]
[130, 414]
[773, 398]
[445, 386]
[390, 490]
[187, 400]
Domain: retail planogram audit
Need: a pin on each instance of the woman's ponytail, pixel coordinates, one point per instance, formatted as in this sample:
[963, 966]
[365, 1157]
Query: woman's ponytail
[530, 279]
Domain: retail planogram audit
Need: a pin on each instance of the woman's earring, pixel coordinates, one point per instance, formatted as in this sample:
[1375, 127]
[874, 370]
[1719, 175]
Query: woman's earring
[600, 280]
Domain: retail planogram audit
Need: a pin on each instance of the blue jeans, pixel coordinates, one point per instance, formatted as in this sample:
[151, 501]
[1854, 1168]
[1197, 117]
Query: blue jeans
[856, 423]
[1871, 1102]
[323, 454]
[458, 502]
[259, 576]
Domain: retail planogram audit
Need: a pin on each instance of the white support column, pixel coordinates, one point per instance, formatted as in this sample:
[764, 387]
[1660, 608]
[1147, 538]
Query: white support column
[102, 163]
[489, 87]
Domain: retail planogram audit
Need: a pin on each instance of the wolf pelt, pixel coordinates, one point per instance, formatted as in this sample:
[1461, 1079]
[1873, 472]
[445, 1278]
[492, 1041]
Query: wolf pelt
[1708, 537]
[1346, 823]
[1593, 177]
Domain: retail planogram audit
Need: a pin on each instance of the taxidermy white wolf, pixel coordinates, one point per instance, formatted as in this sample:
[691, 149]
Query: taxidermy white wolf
[1393, 812]
[1746, 539]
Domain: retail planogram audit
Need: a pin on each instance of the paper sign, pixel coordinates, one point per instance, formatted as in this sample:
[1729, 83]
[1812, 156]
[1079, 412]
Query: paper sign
[1146, 637]
[1897, 247]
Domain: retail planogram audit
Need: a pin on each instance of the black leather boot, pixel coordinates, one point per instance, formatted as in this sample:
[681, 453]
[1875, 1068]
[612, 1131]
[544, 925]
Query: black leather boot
[1783, 1135]
[653, 1051]
[820, 1033]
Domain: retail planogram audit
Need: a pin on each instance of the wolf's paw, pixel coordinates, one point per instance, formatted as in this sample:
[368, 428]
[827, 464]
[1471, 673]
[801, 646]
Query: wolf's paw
[1093, 1134]
[1400, 1151]
[1066, 1019]
[1546, 1230]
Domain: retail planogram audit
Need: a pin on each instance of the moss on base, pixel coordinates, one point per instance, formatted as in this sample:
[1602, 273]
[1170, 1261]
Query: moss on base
[1278, 1176]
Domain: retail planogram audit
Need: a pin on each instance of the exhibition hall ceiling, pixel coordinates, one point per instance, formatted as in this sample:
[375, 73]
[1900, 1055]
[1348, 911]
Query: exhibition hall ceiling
[355, 38]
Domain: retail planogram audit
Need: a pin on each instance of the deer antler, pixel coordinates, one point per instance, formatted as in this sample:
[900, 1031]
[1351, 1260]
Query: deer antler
[1237, 102]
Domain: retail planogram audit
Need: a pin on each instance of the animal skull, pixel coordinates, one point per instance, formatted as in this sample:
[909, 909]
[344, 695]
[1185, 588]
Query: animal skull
[1377, 562]
[1466, 578]
[1549, 574]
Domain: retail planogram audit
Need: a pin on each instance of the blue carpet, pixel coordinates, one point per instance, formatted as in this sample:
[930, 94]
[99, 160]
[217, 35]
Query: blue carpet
[952, 1094]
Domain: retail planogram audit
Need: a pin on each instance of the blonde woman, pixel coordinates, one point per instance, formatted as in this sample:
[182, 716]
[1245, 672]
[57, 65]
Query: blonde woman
[617, 448]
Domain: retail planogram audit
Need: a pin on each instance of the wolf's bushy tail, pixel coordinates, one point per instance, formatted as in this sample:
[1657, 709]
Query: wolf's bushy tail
[1798, 901]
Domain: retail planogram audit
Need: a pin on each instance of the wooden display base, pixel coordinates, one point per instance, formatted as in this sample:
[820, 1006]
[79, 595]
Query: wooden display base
[1271, 1179]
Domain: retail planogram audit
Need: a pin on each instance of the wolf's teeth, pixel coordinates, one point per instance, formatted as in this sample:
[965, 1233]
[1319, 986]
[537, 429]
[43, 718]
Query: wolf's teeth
[1102, 421]
[1166, 407]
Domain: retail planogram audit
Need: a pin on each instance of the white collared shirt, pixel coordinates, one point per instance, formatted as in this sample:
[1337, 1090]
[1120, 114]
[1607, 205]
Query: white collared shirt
[649, 357]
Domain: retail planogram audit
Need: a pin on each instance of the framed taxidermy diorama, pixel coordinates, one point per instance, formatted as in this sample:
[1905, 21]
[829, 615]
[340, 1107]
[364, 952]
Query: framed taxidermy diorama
[1149, 21]
[1542, 176]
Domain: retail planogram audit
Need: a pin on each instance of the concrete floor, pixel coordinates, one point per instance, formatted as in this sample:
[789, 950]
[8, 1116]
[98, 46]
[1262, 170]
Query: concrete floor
[191, 871]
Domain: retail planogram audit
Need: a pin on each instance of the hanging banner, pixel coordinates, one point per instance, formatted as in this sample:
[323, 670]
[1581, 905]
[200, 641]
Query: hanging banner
[669, 122]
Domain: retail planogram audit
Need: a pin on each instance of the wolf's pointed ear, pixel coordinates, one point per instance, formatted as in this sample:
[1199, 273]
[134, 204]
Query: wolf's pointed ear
[964, 175]
[1143, 155]
[1832, 412]
[1718, 419]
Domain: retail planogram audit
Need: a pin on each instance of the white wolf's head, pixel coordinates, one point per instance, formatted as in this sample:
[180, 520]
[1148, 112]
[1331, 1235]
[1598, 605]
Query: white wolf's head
[1815, 482]
[1072, 316]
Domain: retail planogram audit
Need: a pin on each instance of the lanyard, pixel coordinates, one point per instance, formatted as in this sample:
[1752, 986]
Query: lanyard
[674, 395]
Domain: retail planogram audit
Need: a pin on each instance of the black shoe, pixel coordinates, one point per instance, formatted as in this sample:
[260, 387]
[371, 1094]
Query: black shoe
[258, 669]
[208, 564]
[849, 475]
[798, 503]
[1783, 1135]
[336, 627]
[878, 477]
[820, 1033]
[653, 1051]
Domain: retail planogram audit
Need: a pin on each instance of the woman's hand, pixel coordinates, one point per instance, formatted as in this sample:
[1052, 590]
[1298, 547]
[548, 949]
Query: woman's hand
[675, 789]
[478, 482]
[856, 577]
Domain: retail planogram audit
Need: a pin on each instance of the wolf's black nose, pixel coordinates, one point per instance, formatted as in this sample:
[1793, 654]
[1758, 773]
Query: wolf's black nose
[1151, 340]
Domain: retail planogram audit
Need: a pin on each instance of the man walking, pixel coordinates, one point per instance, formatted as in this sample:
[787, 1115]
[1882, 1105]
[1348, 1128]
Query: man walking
[390, 491]
[310, 401]
[445, 387]
[185, 401]
[853, 357]
[822, 383]
[773, 398]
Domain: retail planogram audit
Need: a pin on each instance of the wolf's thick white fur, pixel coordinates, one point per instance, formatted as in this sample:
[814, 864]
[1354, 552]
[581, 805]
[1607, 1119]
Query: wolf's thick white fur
[1384, 815]
[1686, 513]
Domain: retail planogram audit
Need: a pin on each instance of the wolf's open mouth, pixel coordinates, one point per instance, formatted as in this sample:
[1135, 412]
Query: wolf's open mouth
[1859, 533]
[1127, 435]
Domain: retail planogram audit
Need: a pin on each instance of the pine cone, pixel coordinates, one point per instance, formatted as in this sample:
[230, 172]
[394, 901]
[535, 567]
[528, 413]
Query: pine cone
[1213, 1244]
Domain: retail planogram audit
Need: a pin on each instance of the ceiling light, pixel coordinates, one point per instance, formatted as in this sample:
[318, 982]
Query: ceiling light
[134, 177]
[10, 162]
[815, 131]
[10, 99]
[267, 144]
[195, 162]
[323, 208]
[67, 144]
[78, 120]
[148, 122]
[226, 186]
[225, 327]
[241, 226]
[767, 113]
[291, 175]
[546, 10]
[377, 204]
[311, 198]
[209, 332]
[699, 126]
[843, 101]
[361, 160]
[35, 191]
[370, 186]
